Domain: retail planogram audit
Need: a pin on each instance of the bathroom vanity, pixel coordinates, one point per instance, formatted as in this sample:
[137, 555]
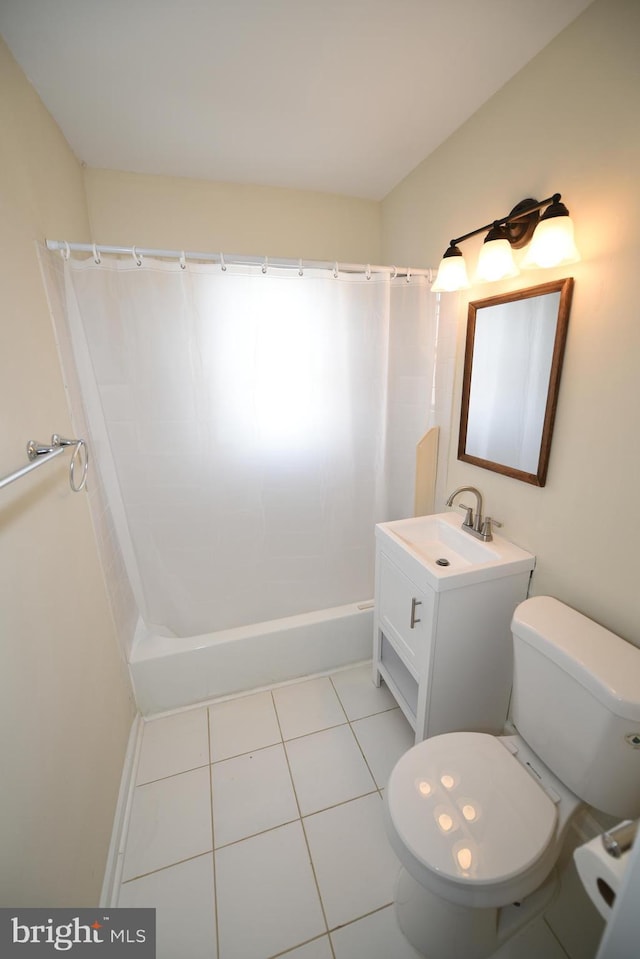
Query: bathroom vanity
[442, 625]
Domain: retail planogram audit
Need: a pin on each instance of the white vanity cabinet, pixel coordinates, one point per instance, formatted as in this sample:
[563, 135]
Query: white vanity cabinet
[442, 634]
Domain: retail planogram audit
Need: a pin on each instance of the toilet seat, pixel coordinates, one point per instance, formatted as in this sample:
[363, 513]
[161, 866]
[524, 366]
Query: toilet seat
[469, 822]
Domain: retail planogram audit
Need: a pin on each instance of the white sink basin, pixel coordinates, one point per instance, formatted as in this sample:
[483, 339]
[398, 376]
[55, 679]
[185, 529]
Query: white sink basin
[436, 539]
[448, 555]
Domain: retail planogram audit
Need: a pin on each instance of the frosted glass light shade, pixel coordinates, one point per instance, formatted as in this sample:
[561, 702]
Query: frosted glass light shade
[496, 261]
[452, 275]
[552, 244]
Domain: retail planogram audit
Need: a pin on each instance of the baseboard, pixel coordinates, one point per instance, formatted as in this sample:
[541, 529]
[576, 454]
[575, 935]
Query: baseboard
[115, 856]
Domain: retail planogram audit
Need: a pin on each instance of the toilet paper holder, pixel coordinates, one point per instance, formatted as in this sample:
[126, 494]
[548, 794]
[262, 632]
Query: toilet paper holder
[620, 839]
[602, 862]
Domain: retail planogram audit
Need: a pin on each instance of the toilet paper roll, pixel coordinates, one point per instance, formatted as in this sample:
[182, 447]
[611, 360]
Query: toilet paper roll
[600, 873]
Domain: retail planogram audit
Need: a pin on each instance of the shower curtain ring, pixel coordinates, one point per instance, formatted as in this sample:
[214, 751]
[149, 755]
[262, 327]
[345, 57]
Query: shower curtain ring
[96, 255]
[335, 270]
[408, 275]
[223, 265]
[183, 261]
[300, 270]
[66, 252]
[395, 272]
[265, 265]
[368, 271]
[136, 256]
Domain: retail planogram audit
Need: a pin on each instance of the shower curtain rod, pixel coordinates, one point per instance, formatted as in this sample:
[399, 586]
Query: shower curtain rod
[238, 259]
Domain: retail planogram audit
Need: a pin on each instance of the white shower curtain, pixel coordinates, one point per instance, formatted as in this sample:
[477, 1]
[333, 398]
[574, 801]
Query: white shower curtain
[259, 425]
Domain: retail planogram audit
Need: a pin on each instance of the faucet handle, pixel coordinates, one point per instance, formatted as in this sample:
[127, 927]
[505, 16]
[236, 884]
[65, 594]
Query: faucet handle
[487, 527]
[468, 520]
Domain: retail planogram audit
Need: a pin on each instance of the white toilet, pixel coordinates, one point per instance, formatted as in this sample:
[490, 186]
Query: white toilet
[478, 821]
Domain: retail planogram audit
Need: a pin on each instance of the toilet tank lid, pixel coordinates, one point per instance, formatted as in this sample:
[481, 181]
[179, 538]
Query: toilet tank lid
[602, 662]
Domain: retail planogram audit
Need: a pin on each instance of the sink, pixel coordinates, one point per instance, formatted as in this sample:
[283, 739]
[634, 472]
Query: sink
[446, 554]
[436, 539]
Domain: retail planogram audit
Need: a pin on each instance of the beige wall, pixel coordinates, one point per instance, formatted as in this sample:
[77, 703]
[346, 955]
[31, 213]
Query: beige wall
[568, 122]
[65, 699]
[177, 213]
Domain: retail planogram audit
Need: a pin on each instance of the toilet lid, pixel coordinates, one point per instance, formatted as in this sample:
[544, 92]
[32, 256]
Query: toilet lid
[468, 810]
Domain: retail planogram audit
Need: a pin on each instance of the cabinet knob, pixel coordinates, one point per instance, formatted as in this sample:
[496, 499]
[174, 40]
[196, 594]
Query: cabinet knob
[414, 604]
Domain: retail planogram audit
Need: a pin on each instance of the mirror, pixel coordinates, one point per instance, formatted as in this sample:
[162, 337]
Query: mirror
[513, 360]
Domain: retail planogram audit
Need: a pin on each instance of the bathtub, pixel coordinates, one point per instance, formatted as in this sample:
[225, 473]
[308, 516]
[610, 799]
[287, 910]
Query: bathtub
[168, 673]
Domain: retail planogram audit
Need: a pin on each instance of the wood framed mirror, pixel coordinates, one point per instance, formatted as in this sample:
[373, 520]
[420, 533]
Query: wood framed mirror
[513, 361]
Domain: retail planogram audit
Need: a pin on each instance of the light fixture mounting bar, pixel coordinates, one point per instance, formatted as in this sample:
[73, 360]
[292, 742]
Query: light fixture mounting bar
[518, 225]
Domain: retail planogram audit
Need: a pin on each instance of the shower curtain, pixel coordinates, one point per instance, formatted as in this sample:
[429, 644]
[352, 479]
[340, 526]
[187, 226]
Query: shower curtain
[254, 426]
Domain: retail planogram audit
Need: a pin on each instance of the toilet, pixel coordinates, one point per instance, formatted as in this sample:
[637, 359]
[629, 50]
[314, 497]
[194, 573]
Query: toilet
[478, 821]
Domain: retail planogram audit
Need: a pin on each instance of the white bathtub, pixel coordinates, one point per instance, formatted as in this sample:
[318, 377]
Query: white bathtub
[168, 673]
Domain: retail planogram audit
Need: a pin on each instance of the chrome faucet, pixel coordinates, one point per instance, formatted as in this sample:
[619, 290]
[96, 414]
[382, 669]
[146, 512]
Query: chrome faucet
[469, 522]
[478, 526]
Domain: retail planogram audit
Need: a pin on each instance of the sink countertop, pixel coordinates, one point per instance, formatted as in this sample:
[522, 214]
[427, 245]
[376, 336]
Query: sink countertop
[416, 543]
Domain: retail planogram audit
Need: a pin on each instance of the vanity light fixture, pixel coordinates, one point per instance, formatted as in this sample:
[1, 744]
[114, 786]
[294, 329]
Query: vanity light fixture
[550, 236]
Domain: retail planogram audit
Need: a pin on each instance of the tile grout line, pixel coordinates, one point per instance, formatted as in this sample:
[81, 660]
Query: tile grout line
[170, 865]
[287, 952]
[333, 686]
[248, 752]
[365, 915]
[161, 779]
[342, 925]
[353, 733]
[366, 761]
[288, 822]
[551, 930]
[304, 832]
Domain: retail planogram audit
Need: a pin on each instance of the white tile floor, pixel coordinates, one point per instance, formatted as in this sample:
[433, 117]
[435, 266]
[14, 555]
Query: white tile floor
[256, 827]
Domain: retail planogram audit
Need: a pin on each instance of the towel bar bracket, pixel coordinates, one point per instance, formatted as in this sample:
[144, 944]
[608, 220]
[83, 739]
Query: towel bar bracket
[39, 453]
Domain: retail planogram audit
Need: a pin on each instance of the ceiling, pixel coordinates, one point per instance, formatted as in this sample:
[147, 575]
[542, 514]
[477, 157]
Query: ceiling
[340, 96]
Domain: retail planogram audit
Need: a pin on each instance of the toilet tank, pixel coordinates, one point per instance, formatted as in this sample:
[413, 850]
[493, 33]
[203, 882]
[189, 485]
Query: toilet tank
[576, 702]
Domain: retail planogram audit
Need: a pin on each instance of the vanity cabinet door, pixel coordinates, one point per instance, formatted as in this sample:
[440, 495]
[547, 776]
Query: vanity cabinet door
[405, 615]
